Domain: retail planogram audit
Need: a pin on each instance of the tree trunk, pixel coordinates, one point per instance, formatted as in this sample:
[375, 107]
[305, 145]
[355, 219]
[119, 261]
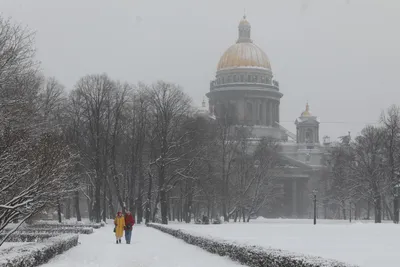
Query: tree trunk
[155, 210]
[162, 195]
[97, 201]
[396, 210]
[139, 204]
[368, 210]
[77, 208]
[344, 210]
[164, 206]
[378, 209]
[148, 203]
[104, 201]
[68, 209]
[59, 211]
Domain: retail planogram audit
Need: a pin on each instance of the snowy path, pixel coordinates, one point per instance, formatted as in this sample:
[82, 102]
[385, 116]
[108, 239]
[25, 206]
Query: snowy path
[149, 248]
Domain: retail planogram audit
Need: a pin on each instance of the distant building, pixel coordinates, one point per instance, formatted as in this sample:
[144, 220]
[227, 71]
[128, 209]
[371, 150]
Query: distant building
[245, 93]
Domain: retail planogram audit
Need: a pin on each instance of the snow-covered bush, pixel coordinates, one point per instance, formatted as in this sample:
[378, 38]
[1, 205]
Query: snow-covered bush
[57, 230]
[35, 254]
[251, 255]
[27, 237]
[53, 224]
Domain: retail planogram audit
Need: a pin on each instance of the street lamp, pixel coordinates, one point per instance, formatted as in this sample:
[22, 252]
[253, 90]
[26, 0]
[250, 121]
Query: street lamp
[396, 203]
[315, 205]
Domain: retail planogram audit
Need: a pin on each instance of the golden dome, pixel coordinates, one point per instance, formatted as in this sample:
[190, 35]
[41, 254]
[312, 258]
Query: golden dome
[244, 21]
[307, 112]
[244, 55]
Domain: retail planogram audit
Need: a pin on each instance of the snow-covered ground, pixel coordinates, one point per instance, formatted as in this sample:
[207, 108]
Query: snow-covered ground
[149, 248]
[363, 244]
[12, 244]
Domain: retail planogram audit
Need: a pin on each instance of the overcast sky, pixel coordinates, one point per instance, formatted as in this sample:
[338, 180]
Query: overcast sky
[343, 56]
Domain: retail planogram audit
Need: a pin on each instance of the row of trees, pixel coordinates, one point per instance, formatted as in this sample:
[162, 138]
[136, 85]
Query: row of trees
[145, 146]
[365, 171]
[118, 146]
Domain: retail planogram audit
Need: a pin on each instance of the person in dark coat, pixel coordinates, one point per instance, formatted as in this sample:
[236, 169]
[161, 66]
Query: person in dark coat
[129, 223]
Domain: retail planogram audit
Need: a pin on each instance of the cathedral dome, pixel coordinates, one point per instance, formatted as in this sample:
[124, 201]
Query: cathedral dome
[306, 113]
[244, 53]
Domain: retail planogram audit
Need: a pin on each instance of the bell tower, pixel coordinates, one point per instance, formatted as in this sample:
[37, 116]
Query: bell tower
[307, 127]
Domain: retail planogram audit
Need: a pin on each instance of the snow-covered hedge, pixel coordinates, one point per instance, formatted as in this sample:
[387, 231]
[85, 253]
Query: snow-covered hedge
[251, 255]
[35, 254]
[27, 237]
[53, 224]
[57, 230]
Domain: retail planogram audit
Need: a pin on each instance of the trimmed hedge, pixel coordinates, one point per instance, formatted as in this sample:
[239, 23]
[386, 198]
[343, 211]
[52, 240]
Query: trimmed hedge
[27, 237]
[252, 256]
[59, 230]
[37, 253]
[61, 225]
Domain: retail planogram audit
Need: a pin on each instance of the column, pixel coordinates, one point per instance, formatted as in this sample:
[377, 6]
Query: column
[264, 112]
[240, 110]
[294, 198]
[277, 112]
[254, 103]
[271, 113]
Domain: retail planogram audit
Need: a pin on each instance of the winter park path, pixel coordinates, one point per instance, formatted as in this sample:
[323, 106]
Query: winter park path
[149, 247]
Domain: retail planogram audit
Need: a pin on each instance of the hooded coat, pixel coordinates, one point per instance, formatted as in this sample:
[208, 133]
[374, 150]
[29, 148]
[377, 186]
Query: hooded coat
[129, 221]
[119, 223]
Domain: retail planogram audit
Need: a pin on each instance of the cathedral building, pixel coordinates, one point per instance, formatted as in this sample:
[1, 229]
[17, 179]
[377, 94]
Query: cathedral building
[245, 93]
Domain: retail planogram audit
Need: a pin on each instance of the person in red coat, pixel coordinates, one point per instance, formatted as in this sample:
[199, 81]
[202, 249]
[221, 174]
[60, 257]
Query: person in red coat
[129, 223]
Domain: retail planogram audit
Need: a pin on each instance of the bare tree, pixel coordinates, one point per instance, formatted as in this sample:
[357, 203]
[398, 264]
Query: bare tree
[391, 122]
[368, 169]
[169, 108]
[92, 94]
[35, 173]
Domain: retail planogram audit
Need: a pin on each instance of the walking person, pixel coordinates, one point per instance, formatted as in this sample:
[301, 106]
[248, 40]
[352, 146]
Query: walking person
[129, 223]
[119, 223]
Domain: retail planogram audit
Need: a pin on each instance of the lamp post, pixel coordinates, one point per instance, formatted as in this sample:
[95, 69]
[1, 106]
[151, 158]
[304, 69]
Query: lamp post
[315, 205]
[396, 203]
